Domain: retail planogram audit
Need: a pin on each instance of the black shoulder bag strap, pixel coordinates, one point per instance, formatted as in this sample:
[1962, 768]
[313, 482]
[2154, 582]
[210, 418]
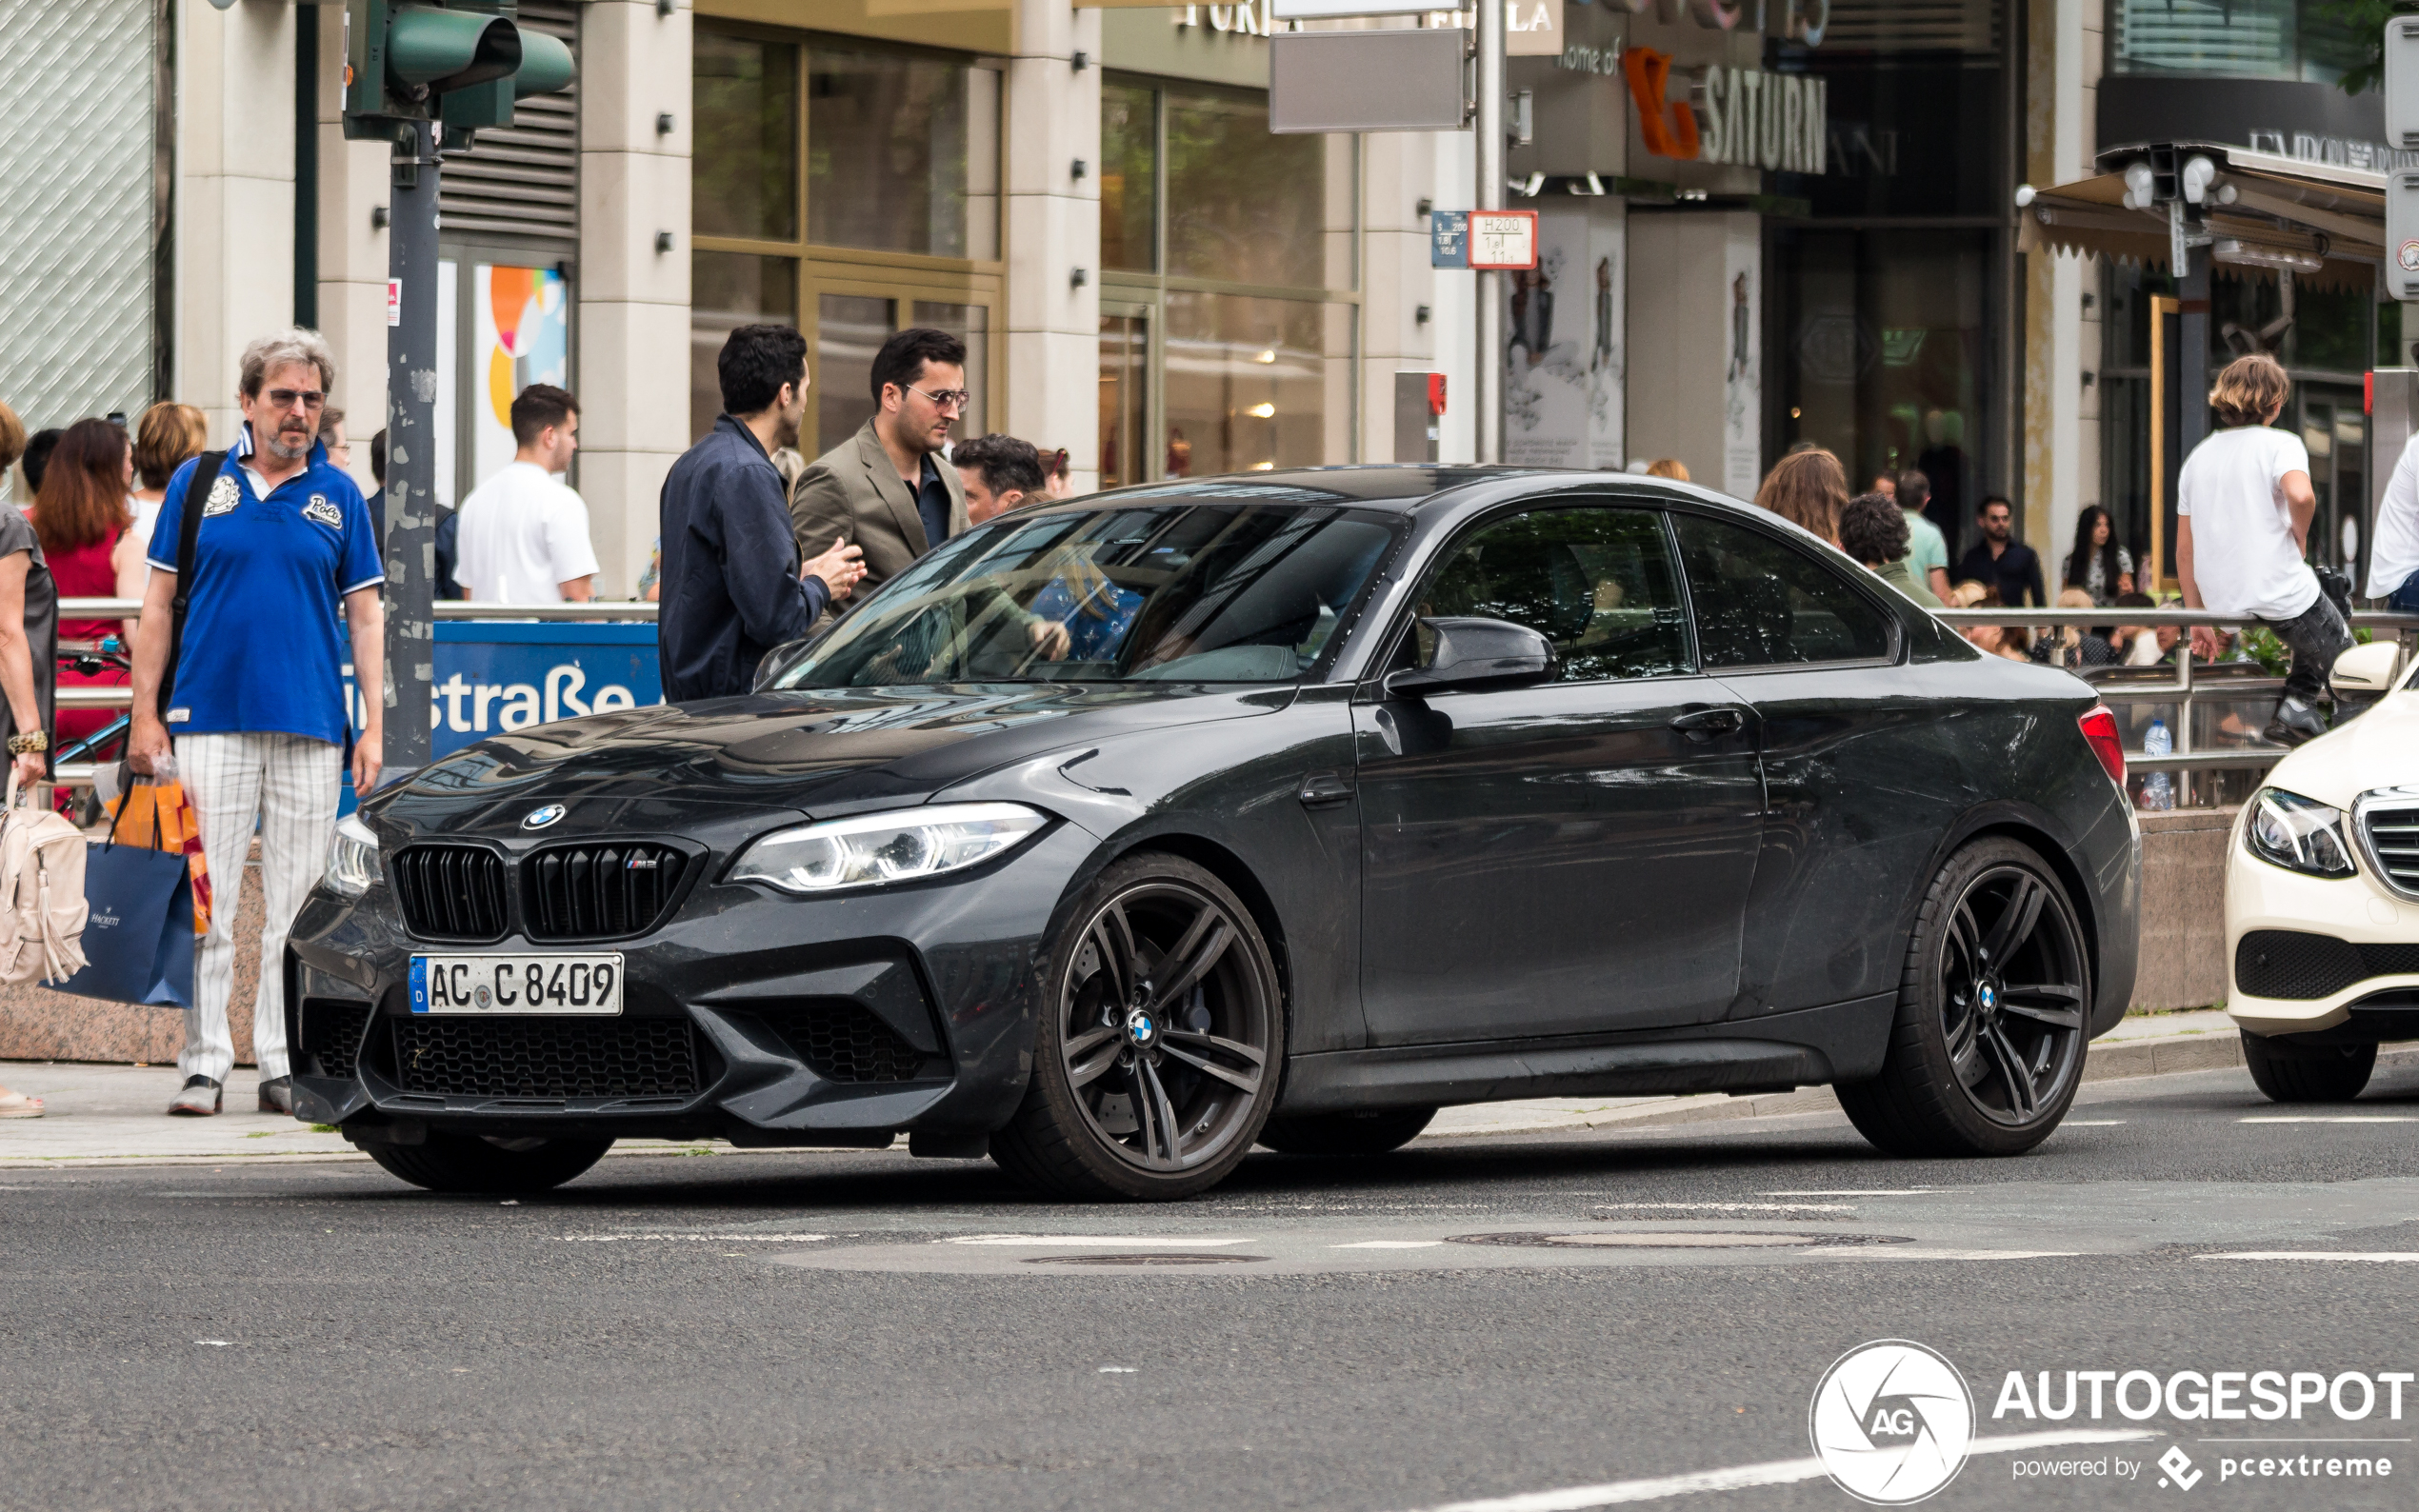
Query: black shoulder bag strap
[189, 533]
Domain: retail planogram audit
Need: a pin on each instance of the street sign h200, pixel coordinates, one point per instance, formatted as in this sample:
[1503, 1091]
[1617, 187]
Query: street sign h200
[1490, 241]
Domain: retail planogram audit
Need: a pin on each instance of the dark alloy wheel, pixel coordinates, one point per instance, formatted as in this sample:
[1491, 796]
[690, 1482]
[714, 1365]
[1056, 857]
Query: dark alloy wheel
[1161, 1041]
[1373, 1132]
[2286, 1072]
[472, 1162]
[1987, 1046]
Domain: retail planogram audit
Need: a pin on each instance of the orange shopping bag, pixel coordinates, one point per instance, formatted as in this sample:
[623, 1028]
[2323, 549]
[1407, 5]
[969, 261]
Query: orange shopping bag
[158, 816]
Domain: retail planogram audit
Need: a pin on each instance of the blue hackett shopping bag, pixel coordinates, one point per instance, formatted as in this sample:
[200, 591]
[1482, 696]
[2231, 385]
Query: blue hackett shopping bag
[139, 935]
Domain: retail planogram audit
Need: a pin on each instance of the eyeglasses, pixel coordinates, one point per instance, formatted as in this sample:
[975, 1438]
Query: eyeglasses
[948, 398]
[283, 398]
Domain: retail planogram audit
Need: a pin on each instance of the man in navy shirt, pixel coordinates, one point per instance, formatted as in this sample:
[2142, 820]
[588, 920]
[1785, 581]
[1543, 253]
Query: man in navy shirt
[256, 703]
[2002, 561]
[732, 587]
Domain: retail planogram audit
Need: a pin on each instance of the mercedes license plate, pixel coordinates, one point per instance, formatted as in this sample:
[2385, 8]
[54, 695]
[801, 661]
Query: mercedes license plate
[539, 984]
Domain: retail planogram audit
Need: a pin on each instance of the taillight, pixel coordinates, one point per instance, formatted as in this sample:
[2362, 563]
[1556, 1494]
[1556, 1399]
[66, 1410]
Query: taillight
[2100, 729]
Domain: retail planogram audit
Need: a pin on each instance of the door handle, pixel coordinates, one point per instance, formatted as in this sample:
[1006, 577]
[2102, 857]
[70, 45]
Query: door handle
[1319, 789]
[1702, 724]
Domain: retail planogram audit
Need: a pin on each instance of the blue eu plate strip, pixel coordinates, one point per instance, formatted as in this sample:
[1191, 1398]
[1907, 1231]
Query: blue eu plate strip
[419, 984]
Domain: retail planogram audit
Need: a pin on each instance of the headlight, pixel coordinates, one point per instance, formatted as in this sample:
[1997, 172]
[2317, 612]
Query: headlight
[874, 850]
[352, 858]
[2298, 834]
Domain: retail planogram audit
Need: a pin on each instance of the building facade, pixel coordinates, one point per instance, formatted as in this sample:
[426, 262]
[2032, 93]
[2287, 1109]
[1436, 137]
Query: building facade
[1761, 225]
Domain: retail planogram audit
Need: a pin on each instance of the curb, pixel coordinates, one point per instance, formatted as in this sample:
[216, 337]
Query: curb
[2121, 1060]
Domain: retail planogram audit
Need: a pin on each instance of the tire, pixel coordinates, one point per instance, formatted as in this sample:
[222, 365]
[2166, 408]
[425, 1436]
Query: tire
[468, 1163]
[1372, 1133]
[2308, 1073]
[1144, 1089]
[1993, 1003]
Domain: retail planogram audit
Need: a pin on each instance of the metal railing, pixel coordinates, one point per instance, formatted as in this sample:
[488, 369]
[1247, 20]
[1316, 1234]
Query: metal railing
[2114, 683]
[2130, 684]
[79, 774]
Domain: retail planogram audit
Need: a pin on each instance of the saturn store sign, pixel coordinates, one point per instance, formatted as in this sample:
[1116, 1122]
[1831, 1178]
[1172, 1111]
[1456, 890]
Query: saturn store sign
[1742, 117]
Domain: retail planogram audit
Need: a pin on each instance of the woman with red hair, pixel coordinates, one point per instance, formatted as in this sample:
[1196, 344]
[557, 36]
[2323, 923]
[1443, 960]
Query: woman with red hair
[82, 519]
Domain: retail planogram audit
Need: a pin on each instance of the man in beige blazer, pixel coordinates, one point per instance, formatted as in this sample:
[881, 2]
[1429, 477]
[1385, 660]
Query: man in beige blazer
[885, 488]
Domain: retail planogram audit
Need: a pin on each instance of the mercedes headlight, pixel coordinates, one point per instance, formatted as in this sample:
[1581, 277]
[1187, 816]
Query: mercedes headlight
[2299, 834]
[874, 850]
[352, 858]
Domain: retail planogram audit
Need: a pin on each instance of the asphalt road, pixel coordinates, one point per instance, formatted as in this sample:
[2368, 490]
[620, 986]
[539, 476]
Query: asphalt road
[787, 1330]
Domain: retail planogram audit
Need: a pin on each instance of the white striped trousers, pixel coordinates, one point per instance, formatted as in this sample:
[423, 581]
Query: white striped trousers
[288, 786]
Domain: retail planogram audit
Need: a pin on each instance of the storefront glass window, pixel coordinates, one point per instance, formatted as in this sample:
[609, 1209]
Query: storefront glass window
[1244, 206]
[2240, 39]
[969, 323]
[747, 162]
[1890, 343]
[1908, 137]
[1128, 178]
[902, 153]
[1247, 384]
[1125, 398]
[849, 329]
[728, 290]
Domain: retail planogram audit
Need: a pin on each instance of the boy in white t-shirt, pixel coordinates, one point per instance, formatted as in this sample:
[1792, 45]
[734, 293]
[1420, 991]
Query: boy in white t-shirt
[524, 536]
[2242, 510]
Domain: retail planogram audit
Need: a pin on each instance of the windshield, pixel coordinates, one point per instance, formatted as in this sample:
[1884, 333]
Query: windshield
[1182, 592]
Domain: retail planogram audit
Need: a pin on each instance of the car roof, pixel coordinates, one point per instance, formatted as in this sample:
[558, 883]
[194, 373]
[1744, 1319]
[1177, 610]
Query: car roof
[1361, 486]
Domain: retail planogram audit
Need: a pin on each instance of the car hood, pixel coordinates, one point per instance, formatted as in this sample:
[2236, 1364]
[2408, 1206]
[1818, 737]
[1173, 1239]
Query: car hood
[2378, 750]
[820, 751]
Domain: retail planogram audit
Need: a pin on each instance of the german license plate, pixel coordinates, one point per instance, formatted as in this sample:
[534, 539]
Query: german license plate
[539, 984]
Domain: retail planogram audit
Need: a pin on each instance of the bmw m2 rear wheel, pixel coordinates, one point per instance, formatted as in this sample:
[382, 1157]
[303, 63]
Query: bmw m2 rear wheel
[1988, 1047]
[468, 1163]
[1161, 1041]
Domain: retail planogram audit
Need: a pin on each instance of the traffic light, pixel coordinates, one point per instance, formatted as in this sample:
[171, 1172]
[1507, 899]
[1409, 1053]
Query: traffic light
[463, 62]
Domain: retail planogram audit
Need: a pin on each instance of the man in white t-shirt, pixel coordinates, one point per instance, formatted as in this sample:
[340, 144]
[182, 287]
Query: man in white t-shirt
[524, 535]
[2242, 510]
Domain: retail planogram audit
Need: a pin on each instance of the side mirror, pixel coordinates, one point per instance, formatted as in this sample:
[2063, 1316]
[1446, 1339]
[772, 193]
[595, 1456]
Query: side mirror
[2366, 671]
[779, 660]
[1472, 654]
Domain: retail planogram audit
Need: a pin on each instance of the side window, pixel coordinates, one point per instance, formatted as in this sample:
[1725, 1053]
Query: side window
[1761, 601]
[1598, 583]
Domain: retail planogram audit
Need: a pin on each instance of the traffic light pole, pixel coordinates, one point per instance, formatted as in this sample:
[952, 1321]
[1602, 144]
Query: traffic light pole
[411, 452]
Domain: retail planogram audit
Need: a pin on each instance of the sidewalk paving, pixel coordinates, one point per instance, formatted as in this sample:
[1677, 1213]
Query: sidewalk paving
[113, 1115]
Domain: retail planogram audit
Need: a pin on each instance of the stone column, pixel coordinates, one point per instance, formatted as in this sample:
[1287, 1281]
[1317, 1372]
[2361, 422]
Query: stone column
[1054, 237]
[1696, 358]
[2059, 134]
[1398, 169]
[633, 337]
[353, 179]
[234, 217]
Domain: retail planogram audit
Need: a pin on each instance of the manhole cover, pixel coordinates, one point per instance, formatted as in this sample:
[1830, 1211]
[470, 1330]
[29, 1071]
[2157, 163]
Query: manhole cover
[1145, 1260]
[1674, 1239]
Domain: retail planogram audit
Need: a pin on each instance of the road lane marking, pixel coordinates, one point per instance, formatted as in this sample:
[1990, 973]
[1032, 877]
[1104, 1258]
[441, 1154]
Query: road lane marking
[1736, 1207]
[2313, 1118]
[1088, 1241]
[2372, 1256]
[1950, 1254]
[1392, 1243]
[1886, 1191]
[1740, 1478]
[716, 1238]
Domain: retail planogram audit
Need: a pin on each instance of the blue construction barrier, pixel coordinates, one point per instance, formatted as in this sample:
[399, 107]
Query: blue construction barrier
[495, 675]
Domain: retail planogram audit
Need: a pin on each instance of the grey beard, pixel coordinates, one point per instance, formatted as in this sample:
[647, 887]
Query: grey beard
[286, 452]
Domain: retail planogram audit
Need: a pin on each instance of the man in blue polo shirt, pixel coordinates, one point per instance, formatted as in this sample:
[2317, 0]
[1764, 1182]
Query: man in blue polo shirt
[256, 706]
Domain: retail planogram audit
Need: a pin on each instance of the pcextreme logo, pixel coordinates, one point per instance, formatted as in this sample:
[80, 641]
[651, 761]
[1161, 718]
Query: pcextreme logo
[1892, 1422]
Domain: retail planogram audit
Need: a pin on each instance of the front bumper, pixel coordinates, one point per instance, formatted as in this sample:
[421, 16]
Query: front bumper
[2265, 901]
[750, 1015]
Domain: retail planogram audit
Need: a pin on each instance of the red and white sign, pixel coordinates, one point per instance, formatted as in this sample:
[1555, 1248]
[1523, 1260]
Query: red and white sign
[1503, 240]
[395, 301]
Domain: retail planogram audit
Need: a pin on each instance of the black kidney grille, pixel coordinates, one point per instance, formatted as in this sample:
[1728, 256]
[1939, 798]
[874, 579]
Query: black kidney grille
[584, 892]
[331, 1031]
[2394, 839]
[2288, 964]
[845, 1041]
[450, 892]
[546, 1058]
